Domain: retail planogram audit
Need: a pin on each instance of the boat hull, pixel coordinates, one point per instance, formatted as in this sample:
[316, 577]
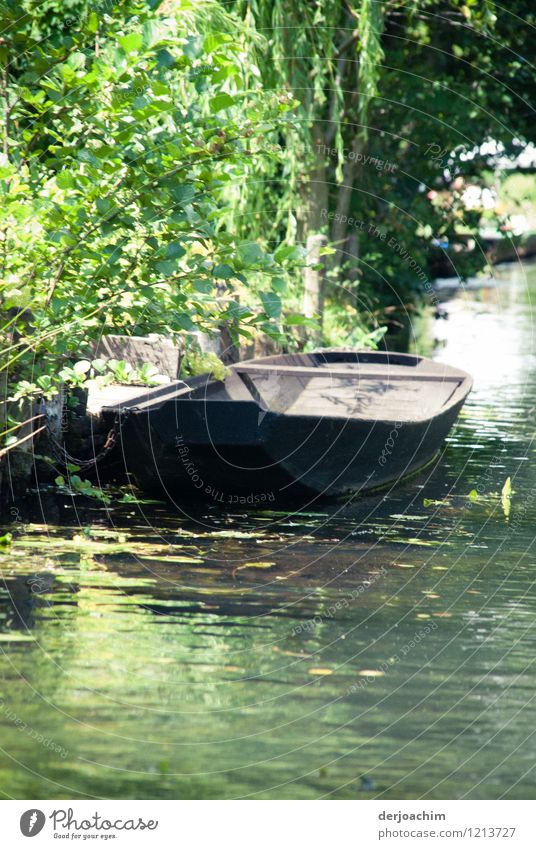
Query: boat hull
[194, 449]
[292, 426]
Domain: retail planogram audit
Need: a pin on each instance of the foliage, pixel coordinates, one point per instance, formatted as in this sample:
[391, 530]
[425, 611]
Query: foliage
[75, 485]
[156, 155]
[119, 136]
[397, 101]
[345, 326]
[197, 362]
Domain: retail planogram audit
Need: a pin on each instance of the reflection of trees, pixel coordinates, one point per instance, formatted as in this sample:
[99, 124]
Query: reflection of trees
[24, 595]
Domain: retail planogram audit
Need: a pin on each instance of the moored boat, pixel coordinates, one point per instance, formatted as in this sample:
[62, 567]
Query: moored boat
[321, 423]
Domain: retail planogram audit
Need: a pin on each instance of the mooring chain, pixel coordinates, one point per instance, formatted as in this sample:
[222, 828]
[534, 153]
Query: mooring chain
[65, 458]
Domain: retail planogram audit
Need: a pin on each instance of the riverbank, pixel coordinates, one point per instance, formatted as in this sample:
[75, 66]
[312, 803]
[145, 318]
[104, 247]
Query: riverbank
[75, 434]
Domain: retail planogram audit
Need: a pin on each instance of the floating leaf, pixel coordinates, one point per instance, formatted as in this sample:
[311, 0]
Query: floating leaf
[290, 653]
[15, 637]
[506, 498]
[258, 565]
[507, 490]
[162, 558]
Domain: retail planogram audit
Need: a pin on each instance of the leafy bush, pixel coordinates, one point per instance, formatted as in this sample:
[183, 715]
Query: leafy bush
[123, 125]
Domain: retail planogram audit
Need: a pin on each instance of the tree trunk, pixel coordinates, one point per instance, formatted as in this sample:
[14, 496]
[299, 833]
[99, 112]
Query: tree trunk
[352, 255]
[317, 198]
[313, 294]
[339, 230]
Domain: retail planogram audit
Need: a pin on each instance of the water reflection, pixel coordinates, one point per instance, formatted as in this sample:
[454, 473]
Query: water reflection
[381, 648]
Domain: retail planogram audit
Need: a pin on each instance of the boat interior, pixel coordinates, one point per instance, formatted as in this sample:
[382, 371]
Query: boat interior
[338, 384]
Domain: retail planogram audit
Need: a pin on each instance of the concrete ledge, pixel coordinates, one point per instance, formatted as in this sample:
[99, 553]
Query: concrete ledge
[160, 351]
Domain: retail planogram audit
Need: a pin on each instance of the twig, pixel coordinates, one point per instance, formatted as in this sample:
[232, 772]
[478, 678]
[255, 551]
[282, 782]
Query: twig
[20, 424]
[4, 451]
[346, 44]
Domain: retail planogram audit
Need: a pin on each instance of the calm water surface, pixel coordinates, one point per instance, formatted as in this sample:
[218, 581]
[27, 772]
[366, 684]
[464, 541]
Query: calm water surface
[378, 649]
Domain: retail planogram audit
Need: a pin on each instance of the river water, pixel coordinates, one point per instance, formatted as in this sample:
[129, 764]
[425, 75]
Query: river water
[377, 649]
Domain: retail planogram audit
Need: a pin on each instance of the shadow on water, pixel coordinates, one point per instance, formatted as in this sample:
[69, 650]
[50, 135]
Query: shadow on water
[375, 648]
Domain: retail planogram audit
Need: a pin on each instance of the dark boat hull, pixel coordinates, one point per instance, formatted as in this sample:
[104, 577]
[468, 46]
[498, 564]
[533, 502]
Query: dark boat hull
[318, 424]
[199, 451]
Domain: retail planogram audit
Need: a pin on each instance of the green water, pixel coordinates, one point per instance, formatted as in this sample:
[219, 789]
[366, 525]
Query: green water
[383, 648]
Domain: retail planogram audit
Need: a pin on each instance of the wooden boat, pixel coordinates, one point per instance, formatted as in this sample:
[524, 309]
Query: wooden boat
[322, 423]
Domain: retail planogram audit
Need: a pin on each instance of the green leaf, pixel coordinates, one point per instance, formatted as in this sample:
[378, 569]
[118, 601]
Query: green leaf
[271, 303]
[99, 365]
[44, 381]
[182, 193]
[131, 43]
[279, 284]
[76, 60]
[221, 101]
[165, 59]
[159, 89]
[203, 285]
[223, 271]
[167, 267]
[82, 367]
[298, 319]
[288, 252]
[215, 40]
[251, 253]
[64, 180]
[185, 322]
[506, 498]
[92, 22]
[175, 250]
[148, 372]
[507, 490]
[238, 311]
